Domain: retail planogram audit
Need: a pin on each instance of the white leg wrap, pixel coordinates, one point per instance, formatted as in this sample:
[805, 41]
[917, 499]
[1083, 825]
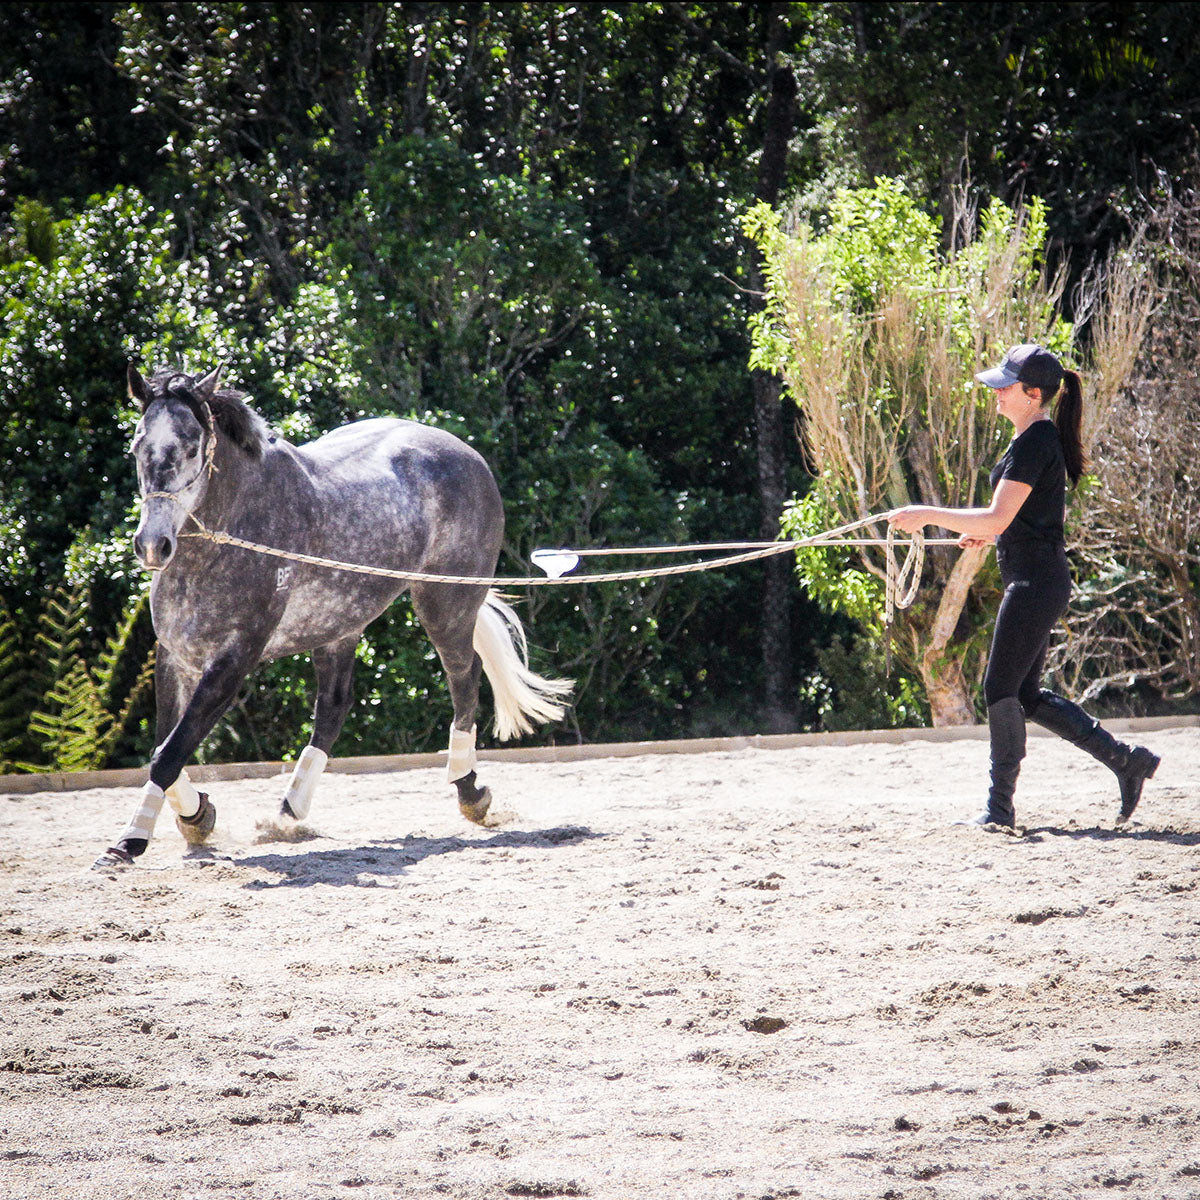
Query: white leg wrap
[142, 825]
[303, 783]
[183, 797]
[462, 753]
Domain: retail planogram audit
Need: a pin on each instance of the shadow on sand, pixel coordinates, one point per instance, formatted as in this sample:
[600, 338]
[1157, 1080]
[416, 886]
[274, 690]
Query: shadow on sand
[1178, 837]
[363, 866]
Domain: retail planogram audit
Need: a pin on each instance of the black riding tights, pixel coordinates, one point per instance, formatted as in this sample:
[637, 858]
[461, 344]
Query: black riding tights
[1037, 586]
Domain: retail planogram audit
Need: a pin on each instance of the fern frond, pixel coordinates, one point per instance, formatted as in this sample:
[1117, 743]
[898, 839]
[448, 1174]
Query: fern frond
[73, 725]
[83, 708]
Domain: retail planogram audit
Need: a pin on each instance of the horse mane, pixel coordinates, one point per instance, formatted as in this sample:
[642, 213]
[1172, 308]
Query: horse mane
[232, 415]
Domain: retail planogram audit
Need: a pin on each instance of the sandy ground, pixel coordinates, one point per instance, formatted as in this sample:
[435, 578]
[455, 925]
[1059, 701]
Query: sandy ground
[751, 974]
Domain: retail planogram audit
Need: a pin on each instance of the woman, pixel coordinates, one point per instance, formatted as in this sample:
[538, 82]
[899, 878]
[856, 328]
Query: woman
[1025, 521]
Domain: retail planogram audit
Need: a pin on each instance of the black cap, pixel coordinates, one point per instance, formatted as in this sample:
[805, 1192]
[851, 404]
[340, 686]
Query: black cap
[1030, 364]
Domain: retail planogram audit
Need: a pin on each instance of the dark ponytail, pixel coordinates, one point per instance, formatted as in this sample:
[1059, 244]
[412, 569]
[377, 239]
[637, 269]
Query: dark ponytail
[1068, 416]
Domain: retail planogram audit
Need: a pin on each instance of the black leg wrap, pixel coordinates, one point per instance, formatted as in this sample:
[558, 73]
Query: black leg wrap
[205, 813]
[121, 855]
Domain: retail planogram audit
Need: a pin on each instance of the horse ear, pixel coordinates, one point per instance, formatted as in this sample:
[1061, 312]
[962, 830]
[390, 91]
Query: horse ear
[206, 387]
[137, 387]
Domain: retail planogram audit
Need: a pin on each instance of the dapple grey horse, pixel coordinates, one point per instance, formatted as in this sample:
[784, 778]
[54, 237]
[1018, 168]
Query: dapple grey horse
[383, 493]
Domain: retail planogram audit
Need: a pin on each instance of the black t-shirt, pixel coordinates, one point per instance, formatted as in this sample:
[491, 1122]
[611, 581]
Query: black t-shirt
[1035, 457]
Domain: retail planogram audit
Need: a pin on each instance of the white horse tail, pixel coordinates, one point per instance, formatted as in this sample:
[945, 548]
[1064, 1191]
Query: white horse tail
[521, 697]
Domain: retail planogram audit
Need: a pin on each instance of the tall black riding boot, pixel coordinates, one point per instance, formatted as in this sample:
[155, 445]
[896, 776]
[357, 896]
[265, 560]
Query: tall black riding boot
[1006, 728]
[1132, 765]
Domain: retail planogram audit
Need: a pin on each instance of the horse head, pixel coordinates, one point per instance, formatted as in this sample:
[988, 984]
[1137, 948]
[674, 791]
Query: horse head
[174, 447]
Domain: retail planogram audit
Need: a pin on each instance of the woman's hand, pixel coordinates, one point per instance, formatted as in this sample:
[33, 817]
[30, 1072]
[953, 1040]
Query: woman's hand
[970, 541]
[910, 518]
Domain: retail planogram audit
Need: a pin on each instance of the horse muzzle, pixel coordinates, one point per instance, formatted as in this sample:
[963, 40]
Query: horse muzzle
[154, 547]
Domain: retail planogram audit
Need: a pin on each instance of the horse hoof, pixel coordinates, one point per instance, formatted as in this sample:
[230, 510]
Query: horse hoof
[196, 828]
[113, 857]
[476, 810]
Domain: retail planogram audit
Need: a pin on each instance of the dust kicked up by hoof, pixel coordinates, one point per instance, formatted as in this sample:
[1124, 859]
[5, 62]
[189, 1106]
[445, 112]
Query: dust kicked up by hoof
[284, 828]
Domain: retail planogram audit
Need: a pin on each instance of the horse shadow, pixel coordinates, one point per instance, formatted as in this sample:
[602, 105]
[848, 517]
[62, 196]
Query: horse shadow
[363, 866]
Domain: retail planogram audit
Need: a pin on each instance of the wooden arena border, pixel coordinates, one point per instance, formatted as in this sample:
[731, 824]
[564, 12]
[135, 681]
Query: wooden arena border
[58, 781]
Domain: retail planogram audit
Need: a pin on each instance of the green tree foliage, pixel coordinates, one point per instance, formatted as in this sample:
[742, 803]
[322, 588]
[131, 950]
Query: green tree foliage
[854, 688]
[465, 282]
[877, 333]
[77, 297]
[1077, 103]
[549, 270]
[19, 694]
[70, 126]
[518, 220]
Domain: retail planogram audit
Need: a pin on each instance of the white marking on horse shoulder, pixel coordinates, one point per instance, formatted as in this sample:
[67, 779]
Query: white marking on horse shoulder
[283, 577]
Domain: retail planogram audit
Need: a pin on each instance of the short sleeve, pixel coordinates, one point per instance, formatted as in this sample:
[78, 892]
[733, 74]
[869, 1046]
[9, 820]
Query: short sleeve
[1028, 457]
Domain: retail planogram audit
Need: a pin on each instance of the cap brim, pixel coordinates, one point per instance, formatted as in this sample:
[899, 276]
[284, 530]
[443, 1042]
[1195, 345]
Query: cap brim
[996, 377]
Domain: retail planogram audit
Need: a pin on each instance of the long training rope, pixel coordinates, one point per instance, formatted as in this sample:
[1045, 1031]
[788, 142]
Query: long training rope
[902, 579]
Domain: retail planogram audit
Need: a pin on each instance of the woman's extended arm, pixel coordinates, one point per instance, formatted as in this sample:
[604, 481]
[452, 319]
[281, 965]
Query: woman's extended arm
[984, 523]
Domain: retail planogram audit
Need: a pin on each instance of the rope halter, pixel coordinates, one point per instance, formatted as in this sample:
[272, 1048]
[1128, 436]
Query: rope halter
[209, 467]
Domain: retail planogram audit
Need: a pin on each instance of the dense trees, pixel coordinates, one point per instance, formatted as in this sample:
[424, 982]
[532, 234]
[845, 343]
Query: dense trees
[877, 333]
[1079, 104]
[522, 221]
[1136, 623]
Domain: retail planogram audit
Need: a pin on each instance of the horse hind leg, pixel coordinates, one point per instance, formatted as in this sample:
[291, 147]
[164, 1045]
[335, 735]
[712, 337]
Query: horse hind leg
[473, 800]
[448, 615]
[335, 693]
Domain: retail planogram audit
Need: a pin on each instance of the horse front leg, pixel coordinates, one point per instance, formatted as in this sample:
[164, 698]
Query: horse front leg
[334, 664]
[195, 815]
[212, 695]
